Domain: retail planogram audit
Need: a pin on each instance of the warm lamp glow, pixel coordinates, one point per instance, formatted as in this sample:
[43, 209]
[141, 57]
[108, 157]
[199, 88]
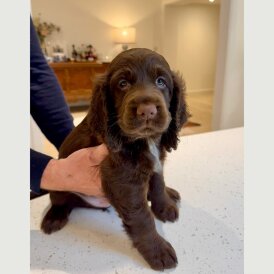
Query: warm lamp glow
[124, 36]
[211, 1]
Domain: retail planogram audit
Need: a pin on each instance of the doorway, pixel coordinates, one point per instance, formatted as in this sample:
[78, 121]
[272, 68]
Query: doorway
[190, 44]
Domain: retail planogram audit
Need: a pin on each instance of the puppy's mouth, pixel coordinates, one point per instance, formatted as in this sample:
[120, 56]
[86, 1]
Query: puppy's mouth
[144, 129]
[147, 131]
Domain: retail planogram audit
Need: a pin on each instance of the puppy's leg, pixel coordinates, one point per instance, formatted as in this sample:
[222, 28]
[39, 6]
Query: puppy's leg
[62, 205]
[55, 219]
[129, 199]
[173, 194]
[163, 199]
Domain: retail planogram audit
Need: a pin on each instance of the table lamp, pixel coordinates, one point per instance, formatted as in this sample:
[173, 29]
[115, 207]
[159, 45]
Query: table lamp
[124, 36]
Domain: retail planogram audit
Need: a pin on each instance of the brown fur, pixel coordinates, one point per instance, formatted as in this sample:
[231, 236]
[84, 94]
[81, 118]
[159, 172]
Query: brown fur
[128, 176]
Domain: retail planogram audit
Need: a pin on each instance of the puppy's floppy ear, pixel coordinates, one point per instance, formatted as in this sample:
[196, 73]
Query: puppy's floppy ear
[102, 116]
[97, 114]
[178, 111]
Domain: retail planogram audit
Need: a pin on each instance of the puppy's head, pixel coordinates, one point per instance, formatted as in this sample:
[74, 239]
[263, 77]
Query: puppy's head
[139, 97]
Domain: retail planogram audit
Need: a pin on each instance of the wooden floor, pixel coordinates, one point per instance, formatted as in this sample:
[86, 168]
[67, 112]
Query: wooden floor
[199, 105]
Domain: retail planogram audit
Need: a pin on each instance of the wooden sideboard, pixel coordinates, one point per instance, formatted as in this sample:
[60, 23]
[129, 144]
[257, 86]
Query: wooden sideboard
[76, 79]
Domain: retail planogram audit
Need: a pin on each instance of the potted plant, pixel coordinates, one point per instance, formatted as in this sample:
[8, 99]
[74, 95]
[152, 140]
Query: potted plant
[44, 29]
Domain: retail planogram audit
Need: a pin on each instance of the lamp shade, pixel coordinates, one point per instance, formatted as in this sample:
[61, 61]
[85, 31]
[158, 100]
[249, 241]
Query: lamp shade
[124, 35]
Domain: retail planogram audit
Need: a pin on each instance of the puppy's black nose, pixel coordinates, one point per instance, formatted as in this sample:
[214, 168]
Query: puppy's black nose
[146, 111]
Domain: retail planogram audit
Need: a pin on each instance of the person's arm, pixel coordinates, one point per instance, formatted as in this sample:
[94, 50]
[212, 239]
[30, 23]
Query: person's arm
[48, 108]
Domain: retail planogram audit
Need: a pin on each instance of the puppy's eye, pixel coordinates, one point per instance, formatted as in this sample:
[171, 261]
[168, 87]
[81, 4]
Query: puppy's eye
[160, 82]
[123, 83]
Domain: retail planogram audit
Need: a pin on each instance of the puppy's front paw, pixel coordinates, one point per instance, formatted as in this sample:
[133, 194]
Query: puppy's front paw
[166, 210]
[159, 254]
[173, 194]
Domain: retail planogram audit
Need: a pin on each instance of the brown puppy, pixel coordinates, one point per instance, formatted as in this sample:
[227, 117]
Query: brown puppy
[137, 110]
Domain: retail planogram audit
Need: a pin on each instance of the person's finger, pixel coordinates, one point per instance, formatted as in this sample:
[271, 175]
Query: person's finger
[97, 154]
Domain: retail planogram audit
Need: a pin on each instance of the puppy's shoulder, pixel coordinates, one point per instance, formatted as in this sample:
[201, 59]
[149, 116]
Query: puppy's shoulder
[79, 137]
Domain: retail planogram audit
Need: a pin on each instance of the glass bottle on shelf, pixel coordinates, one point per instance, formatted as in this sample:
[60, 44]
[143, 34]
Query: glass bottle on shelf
[74, 53]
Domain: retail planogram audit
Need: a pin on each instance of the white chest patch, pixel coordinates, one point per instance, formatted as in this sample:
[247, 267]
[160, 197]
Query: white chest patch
[155, 153]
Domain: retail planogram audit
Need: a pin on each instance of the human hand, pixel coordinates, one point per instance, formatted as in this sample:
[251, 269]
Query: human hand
[79, 172]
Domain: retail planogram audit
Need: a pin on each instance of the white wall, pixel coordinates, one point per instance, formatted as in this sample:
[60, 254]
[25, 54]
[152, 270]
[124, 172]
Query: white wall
[91, 21]
[228, 108]
[190, 43]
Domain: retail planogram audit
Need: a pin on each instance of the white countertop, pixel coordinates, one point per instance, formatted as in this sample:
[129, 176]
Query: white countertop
[207, 170]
